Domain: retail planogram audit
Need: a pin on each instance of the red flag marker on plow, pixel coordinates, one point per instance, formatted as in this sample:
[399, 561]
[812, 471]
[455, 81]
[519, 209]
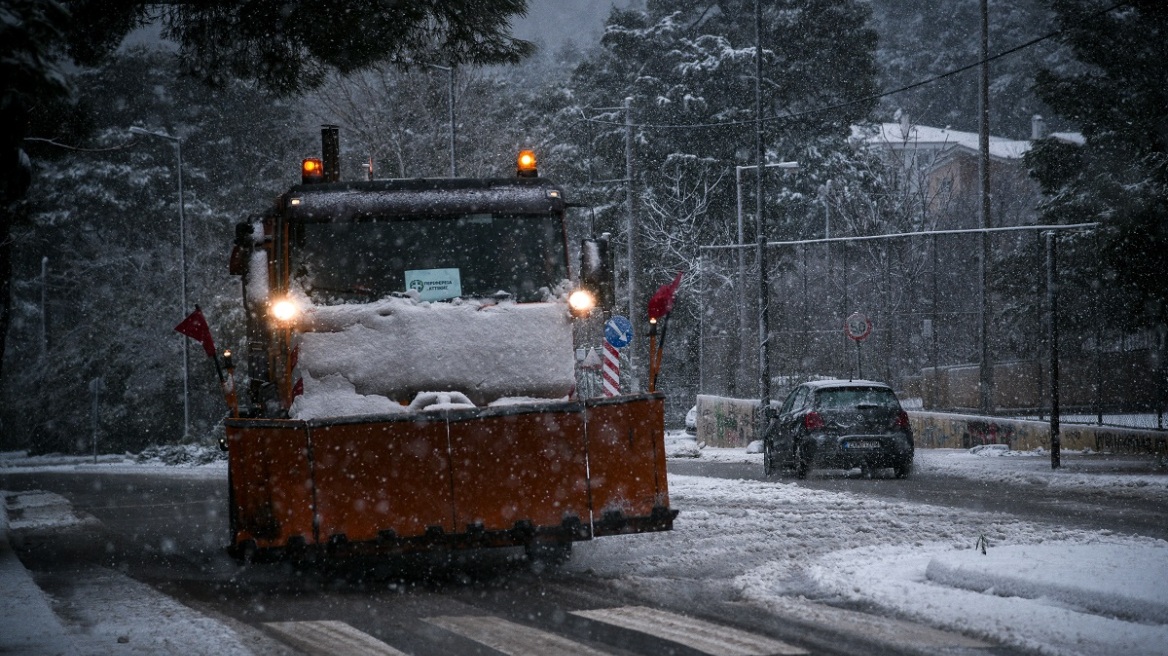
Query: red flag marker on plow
[195, 326]
[660, 305]
[662, 302]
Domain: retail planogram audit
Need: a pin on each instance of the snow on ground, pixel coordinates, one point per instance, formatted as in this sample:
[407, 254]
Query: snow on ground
[774, 544]
[1112, 476]
[184, 461]
[27, 623]
[1066, 596]
[1037, 587]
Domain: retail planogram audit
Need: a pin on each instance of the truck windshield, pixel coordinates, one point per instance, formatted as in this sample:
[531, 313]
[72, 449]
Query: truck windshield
[458, 256]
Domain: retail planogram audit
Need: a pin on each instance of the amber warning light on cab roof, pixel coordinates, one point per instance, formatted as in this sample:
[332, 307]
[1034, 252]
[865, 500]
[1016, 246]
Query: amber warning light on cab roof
[527, 165]
[311, 170]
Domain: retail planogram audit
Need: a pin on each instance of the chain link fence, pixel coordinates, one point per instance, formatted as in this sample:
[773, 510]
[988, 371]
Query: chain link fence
[929, 301]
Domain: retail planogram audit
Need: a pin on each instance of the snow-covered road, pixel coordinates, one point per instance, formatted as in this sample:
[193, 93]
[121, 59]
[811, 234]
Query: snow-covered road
[786, 549]
[1037, 587]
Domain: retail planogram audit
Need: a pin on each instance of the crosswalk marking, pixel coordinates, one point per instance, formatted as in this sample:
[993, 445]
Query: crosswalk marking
[697, 634]
[511, 638]
[331, 637]
[897, 635]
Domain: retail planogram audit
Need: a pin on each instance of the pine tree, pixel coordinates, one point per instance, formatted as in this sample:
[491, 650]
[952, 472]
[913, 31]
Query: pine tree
[1118, 96]
[920, 39]
[290, 46]
[284, 46]
[107, 222]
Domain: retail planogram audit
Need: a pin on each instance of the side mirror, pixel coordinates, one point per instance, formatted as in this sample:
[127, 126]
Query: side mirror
[241, 249]
[596, 270]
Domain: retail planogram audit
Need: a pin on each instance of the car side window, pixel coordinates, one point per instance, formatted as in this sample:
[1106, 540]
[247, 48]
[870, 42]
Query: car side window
[789, 402]
[800, 399]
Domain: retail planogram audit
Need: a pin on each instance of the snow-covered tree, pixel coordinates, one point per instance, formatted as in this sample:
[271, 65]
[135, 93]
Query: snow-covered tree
[1119, 176]
[105, 221]
[400, 119]
[688, 72]
[1117, 95]
[921, 39]
[290, 46]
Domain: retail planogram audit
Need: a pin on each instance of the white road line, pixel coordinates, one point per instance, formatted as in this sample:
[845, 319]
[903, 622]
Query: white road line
[697, 634]
[330, 637]
[511, 638]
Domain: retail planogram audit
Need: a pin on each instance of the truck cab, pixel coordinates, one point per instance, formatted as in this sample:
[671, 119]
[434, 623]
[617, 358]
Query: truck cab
[411, 356]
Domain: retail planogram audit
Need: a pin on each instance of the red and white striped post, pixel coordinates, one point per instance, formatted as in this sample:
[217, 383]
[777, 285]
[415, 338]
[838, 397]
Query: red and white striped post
[610, 372]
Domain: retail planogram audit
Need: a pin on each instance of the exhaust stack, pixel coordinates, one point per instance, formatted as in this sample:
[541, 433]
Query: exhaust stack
[330, 143]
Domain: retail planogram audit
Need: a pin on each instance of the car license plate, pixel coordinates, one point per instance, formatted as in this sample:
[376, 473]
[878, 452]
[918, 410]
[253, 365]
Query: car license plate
[863, 444]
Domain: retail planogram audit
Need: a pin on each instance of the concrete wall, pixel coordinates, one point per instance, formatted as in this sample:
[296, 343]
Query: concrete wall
[727, 422]
[942, 430]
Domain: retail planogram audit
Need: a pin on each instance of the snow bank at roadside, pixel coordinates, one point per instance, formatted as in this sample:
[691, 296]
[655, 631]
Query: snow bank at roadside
[27, 623]
[178, 461]
[778, 545]
[1103, 579]
[1058, 597]
[1112, 474]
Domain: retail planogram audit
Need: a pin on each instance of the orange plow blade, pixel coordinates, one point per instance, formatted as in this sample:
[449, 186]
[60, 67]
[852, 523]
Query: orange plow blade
[496, 476]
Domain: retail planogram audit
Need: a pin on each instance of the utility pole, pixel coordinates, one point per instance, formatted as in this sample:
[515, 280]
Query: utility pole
[1053, 336]
[631, 253]
[630, 238]
[44, 308]
[764, 363]
[987, 365]
[450, 110]
[741, 258]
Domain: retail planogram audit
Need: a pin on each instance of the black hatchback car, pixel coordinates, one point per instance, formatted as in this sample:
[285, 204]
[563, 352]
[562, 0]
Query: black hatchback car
[839, 424]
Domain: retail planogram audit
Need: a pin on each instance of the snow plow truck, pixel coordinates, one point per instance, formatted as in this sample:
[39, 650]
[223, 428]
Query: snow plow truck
[412, 375]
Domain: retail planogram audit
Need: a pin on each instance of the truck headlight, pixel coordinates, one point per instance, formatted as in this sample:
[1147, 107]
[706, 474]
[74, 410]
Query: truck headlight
[581, 302]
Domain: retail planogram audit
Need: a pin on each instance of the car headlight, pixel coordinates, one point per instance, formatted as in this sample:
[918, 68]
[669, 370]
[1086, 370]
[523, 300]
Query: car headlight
[285, 310]
[581, 302]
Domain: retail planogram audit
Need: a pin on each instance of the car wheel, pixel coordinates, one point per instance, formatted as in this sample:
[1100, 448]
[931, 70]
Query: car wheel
[802, 466]
[903, 468]
[768, 464]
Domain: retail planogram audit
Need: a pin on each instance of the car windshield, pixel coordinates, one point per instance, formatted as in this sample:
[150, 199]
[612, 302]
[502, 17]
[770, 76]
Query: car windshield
[459, 256]
[851, 398]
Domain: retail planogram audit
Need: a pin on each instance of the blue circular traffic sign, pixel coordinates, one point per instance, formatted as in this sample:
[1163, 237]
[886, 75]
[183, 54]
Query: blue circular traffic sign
[618, 331]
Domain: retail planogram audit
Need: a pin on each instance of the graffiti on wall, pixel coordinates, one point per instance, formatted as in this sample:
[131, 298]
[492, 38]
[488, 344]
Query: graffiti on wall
[726, 422]
[1115, 442]
[979, 432]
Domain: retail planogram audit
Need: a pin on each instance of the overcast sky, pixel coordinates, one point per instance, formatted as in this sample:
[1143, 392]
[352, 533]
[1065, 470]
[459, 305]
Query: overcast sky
[548, 22]
[553, 21]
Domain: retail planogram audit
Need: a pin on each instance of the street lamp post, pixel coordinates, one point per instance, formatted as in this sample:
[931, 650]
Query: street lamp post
[182, 240]
[450, 108]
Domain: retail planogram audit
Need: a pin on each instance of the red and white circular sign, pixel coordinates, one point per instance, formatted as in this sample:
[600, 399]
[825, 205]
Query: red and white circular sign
[858, 326]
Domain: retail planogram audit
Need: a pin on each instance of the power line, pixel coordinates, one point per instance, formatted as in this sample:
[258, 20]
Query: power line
[906, 235]
[79, 149]
[849, 103]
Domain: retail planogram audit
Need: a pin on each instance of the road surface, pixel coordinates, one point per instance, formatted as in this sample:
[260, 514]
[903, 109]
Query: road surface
[168, 533]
